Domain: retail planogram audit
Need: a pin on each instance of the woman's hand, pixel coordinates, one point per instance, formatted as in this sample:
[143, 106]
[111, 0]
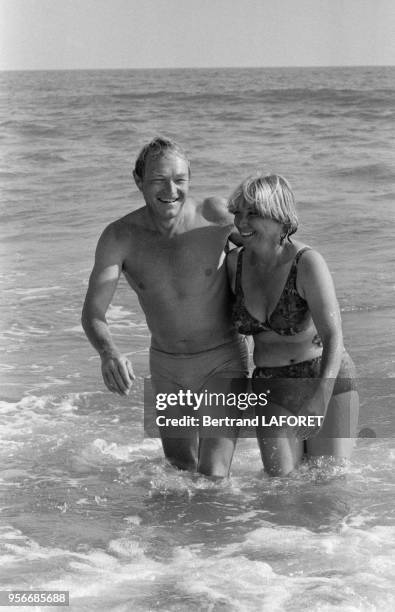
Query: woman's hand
[316, 407]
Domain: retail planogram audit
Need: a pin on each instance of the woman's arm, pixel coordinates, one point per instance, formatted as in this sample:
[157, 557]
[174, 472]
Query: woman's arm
[316, 286]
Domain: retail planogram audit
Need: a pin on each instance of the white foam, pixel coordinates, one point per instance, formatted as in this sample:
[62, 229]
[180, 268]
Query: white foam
[39, 368]
[133, 520]
[116, 312]
[5, 367]
[37, 413]
[272, 569]
[125, 452]
[19, 331]
[37, 290]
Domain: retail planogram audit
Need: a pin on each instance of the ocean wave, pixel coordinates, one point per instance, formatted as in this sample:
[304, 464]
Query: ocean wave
[338, 96]
[33, 291]
[269, 569]
[365, 172]
[120, 452]
[5, 175]
[329, 96]
[21, 331]
[36, 409]
[367, 307]
[44, 156]
[32, 128]
[142, 95]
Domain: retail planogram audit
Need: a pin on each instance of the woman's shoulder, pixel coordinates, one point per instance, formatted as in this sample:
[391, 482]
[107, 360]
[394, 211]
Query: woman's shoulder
[311, 267]
[306, 256]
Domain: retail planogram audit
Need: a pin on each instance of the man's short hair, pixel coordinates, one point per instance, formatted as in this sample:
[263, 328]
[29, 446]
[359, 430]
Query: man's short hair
[156, 148]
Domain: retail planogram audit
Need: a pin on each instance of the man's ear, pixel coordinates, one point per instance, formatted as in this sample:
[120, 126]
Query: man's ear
[138, 180]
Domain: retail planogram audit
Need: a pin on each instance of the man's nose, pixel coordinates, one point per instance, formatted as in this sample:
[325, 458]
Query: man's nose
[170, 188]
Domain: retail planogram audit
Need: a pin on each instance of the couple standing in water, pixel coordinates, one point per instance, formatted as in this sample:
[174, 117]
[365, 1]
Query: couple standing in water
[200, 305]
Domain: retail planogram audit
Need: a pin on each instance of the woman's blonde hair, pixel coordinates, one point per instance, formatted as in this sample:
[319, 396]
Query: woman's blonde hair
[269, 196]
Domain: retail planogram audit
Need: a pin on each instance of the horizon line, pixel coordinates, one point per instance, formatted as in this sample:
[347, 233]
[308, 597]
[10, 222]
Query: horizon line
[197, 68]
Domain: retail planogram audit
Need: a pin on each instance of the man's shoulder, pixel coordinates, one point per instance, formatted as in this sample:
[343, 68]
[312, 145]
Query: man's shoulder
[215, 210]
[136, 218]
[117, 236]
[125, 226]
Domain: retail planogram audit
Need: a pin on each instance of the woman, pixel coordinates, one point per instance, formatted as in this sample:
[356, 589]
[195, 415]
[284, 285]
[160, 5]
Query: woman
[285, 299]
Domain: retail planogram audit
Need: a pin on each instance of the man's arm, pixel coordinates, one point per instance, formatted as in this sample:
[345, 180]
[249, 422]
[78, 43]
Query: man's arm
[215, 209]
[117, 370]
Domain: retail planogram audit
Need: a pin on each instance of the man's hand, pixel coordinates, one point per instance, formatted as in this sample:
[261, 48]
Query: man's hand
[117, 373]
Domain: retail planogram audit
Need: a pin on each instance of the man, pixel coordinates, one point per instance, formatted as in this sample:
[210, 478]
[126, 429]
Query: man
[171, 252]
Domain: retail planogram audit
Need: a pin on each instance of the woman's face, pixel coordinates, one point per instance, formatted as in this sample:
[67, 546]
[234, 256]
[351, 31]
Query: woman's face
[255, 229]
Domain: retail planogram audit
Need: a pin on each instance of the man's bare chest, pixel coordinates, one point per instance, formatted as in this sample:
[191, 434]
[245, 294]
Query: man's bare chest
[185, 266]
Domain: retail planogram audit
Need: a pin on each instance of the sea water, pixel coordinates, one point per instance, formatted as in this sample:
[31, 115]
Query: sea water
[87, 503]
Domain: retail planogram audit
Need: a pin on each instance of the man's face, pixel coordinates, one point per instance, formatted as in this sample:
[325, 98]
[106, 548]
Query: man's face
[165, 184]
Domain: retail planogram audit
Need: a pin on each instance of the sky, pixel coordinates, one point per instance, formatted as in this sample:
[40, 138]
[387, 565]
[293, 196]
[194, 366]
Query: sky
[97, 34]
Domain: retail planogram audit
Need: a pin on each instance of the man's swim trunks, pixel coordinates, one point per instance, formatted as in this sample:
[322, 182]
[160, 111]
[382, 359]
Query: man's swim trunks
[170, 373]
[215, 370]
